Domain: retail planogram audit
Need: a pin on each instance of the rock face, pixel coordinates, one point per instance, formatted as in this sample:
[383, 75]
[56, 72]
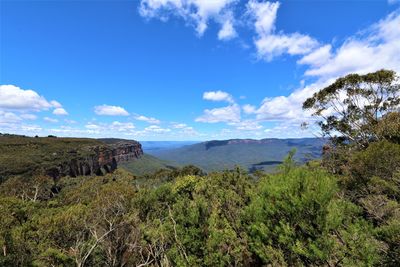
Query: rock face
[96, 160]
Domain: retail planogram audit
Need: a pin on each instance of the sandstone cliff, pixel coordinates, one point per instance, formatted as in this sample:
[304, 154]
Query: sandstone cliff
[57, 157]
[96, 160]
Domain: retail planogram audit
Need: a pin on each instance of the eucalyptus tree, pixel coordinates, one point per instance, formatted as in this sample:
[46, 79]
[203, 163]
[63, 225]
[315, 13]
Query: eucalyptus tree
[351, 107]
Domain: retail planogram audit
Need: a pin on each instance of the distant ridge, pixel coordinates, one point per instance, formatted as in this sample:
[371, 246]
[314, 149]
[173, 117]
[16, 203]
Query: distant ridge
[251, 154]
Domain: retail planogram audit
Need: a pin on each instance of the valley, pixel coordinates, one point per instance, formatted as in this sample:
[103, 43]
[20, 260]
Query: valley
[74, 156]
[199, 133]
[249, 154]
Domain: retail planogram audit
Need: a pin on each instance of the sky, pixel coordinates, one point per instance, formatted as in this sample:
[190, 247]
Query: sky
[183, 69]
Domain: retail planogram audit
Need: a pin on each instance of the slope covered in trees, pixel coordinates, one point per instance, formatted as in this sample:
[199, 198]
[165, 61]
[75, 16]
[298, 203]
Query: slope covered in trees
[146, 164]
[341, 211]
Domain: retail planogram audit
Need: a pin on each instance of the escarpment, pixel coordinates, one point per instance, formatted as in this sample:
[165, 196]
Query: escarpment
[96, 160]
[58, 157]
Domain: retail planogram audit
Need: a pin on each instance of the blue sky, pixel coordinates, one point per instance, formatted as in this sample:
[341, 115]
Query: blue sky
[182, 69]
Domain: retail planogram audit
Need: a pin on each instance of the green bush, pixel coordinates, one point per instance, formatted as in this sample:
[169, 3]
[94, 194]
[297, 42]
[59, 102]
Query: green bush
[296, 218]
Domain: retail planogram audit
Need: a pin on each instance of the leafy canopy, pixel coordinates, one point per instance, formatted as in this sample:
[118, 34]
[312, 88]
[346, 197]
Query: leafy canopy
[351, 107]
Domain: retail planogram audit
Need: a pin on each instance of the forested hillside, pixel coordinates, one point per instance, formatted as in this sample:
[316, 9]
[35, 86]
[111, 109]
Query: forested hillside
[342, 210]
[147, 164]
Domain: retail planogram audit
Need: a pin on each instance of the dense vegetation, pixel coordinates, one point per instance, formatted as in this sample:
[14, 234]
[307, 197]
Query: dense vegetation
[341, 211]
[24, 155]
[146, 164]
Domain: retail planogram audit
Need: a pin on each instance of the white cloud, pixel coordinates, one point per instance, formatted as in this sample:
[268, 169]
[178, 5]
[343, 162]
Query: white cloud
[230, 113]
[264, 14]
[30, 128]
[110, 110]
[13, 123]
[246, 125]
[60, 111]
[92, 126]
[55, 104]
[227, 32]
[28, 117]
[52, 120]
[249, 109]
[184, 130]
[111, 129]
[195, 12]
[9, 117]
[287, 108]
[14, 105]
[147, 119]
[15, 98]
[270, 44]
[278, 108]
[376, 48]
[289, 129]
[218, 96]
[156, 129]
[189, 131]
[18, 128]
[179, 125]
[317, 57]
[121, 126]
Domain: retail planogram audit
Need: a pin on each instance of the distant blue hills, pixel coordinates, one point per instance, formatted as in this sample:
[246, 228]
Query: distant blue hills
[152, 147]
[250, 154]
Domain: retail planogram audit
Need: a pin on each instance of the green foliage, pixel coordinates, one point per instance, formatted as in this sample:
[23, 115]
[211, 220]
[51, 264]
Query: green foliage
[380, 159]
[361, 113]
[388, 127]
[374, 170]
[146, 165]
[15, 215]
[351, 107]
[297, 219]
[373, 183]
[288, 163]
[202, 219]
[164, 175]
[298, 216]
[343, 212]
[21, 155]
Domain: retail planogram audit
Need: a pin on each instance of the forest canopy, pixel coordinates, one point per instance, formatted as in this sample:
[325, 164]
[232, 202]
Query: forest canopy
[343, 210]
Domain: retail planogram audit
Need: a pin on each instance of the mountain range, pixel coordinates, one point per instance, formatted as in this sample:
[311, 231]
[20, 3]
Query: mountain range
[72, 156]
[250, 154]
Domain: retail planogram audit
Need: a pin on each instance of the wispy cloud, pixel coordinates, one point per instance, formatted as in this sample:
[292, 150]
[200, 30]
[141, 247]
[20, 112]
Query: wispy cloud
[51, 120]
[375, 48]
[193, 12]
[147, 119]
[270, 43]
[156, 129]
[227, 31]
[246, 125]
